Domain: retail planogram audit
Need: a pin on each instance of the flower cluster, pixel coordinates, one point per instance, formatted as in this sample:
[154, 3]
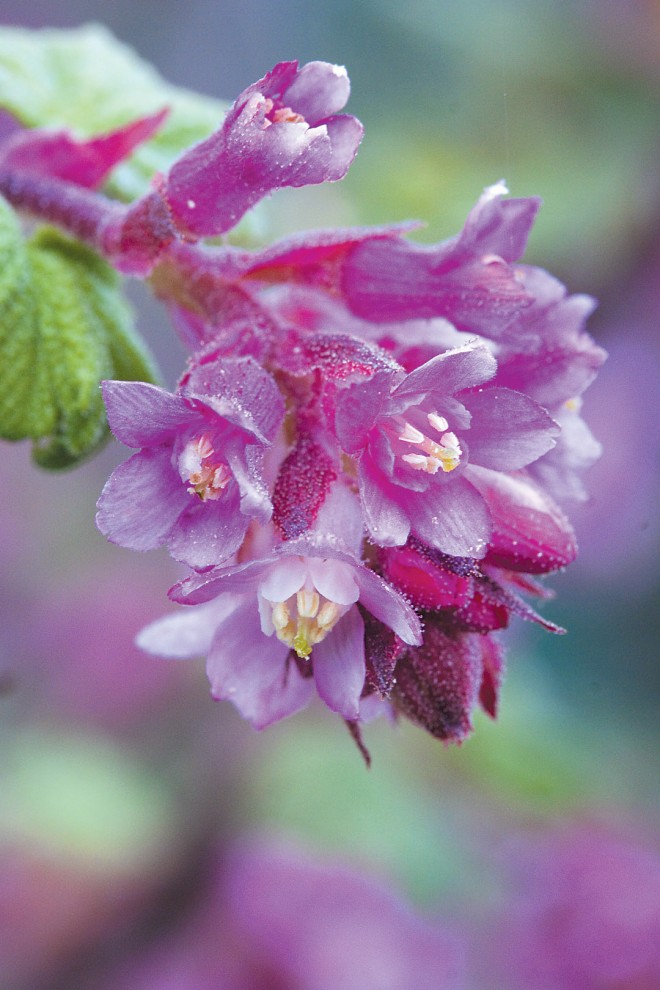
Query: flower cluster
[362, 463]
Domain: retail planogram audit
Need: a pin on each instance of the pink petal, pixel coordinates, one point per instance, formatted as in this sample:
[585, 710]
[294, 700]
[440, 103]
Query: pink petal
[318, 90]
[508, 430]
[388, 606]
[334, 579]
[188, 632]
[339, 665]
[208, 533]
[452, 517]
[141, 501]
[385, 516]
[449, 373]
[358, 408]
[530, 532]
[142, 415]
[249, 669]
[86, 163]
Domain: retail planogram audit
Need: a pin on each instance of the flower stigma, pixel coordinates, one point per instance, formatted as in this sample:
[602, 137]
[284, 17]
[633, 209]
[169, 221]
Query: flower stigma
[199, 466]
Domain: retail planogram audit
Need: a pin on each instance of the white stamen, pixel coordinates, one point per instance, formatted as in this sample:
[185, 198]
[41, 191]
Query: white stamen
[281, 617]
[438, 423]
[306, 616]
[412, 435]
[307, 602]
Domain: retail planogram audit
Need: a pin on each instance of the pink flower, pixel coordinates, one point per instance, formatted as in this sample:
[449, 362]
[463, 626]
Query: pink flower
[197, 479]
[467, 279]
[283, 130]
[272, 623]
[416, 437]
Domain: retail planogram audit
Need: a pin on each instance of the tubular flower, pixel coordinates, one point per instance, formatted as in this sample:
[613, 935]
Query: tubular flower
[284, 130]
[197, 479]
[416, 437]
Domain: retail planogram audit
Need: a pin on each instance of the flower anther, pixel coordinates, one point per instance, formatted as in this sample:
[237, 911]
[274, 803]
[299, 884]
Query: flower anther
[444, 455]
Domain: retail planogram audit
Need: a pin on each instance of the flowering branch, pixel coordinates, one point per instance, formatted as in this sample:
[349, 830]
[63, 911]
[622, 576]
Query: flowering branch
[361, 462]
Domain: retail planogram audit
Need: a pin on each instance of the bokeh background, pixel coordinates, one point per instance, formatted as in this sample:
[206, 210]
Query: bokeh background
[125, 788]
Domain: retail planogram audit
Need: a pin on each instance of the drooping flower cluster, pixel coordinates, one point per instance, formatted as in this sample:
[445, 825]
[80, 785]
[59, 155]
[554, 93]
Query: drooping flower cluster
[362, 461]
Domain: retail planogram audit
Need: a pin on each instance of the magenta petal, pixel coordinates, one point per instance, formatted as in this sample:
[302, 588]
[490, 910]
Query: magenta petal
[508, 430]
[238, 578]
[142, 415]
[499, 226]
[388, 606]
[389, 280]
[530, 532]
[386, 519]
[188, 632]
[318, 90]
[250, 670]
[345, 133]
[141, 501]
[449, 373]
[339, 665]
[86, 163]
[208, 533]
[452, 517]
[358, 408]
[246, 466]
[240, 390]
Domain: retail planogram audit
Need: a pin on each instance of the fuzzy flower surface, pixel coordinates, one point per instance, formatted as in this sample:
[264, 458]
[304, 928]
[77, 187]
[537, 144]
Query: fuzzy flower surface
[415, 437]
[269, 625]
[284, 130]
[197, 479]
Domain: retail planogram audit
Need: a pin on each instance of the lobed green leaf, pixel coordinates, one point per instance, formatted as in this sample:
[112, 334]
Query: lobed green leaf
[64, 327]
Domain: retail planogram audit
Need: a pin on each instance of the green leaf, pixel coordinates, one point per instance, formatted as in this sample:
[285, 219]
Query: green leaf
[63, 328]
[86, 80]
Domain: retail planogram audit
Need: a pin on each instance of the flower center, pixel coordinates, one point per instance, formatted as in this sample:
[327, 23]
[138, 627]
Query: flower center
[200, 467]
[431, 455]
[304, 620]
[303, 599]
[281, 115]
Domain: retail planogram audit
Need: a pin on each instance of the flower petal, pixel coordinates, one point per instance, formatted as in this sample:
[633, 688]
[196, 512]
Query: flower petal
[452, 517]
[339, 665]
[530, 532]
[334, 579]
[388, 606]
[508, 430]
[385, 518]
[142, 500]
[143, 415]
[208, 533]
[188, 632]
[450, 372]
[250, 670]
